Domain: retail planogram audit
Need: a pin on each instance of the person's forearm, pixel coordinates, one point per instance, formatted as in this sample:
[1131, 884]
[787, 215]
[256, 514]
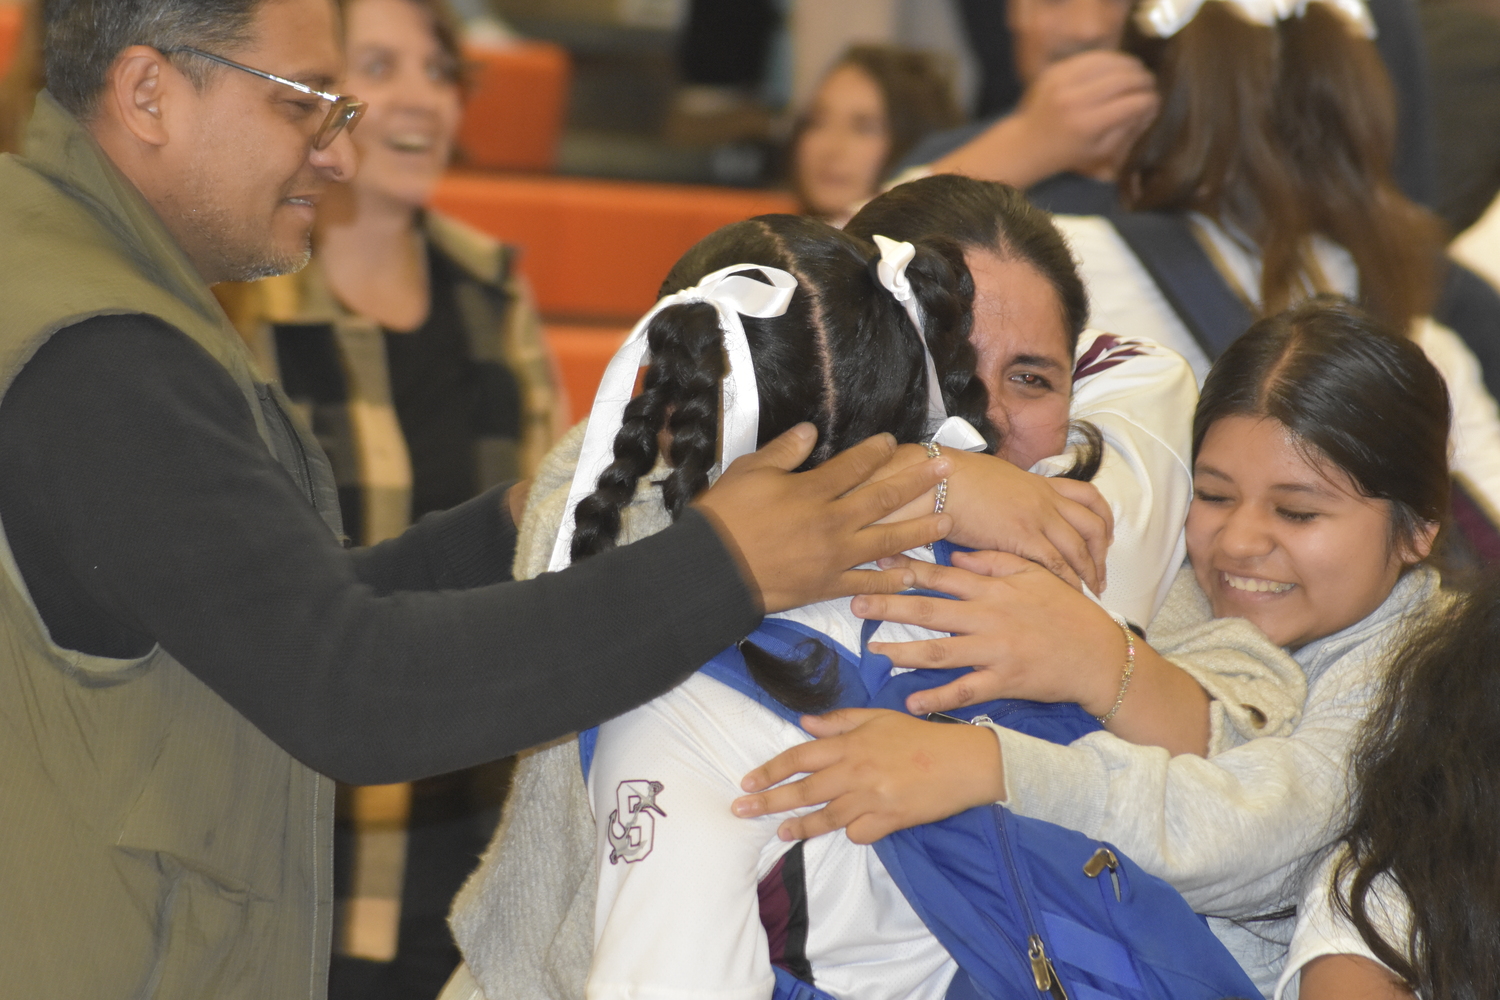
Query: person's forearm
[1162, 706]
[214, 553]
[472, 545]
[1350, 977]
[1002, 153]
[427, 683]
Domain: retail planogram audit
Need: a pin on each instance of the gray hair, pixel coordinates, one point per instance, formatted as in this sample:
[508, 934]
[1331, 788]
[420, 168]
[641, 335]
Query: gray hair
[83, 38]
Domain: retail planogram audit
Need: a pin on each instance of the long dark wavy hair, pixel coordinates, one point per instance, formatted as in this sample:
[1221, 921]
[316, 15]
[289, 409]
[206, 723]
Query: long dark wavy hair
[1282, 132]
[993, 218]
[1427, 780]
[844, 356]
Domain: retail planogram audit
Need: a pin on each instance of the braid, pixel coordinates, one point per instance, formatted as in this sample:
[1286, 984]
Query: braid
[945, 291]
[676, 337]
[695, 364]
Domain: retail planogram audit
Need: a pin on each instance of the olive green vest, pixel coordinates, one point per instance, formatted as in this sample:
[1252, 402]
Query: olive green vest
[153, 843]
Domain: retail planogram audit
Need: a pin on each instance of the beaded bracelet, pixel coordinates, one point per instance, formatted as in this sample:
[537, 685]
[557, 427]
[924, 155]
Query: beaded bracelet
[1126, 675]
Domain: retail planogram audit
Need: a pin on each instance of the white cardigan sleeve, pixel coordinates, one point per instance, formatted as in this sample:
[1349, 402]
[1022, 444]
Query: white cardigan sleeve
[1141, 397]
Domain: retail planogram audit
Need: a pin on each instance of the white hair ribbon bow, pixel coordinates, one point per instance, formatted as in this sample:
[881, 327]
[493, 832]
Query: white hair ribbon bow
[733, 295]
[891, 269]
[1165, 18]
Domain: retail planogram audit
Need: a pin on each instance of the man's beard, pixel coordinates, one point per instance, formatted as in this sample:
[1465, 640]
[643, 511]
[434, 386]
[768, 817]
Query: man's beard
[227, 247]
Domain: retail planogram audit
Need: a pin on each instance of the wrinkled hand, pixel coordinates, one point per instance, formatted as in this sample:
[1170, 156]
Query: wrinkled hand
[796, 535]
[1061, 524]
[879, 771]
[1025, 633]
[1082, 113]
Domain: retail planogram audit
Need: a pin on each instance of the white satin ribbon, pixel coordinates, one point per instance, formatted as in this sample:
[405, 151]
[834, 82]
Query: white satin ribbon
[891, 269]
[956, 432]
[1165, 18]
[733, 295]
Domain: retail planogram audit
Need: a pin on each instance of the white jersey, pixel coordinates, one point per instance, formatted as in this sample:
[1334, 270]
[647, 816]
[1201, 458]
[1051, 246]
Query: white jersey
[1141, 397]
[687, 890]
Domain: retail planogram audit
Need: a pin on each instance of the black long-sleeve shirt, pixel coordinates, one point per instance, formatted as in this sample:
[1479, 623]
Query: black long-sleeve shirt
[143, 508]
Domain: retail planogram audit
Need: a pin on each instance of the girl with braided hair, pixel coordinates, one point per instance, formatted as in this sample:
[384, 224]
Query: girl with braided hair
[765, 323]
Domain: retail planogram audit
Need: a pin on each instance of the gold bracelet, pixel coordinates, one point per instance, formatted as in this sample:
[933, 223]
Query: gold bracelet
[933, 451]
[1128, 672]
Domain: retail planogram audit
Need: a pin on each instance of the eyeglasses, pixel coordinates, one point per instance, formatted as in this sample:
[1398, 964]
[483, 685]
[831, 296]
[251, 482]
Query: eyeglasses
[344, 112]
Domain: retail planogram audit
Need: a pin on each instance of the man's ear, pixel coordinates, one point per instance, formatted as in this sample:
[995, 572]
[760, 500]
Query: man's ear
[138, 90]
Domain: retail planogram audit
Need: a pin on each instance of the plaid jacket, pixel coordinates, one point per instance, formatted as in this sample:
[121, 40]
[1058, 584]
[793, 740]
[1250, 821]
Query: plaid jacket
[349, 405]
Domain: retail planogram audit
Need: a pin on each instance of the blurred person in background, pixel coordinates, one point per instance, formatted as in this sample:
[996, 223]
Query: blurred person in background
[415, 352]
[1083, 103]
[1462, 43]
[871, 108]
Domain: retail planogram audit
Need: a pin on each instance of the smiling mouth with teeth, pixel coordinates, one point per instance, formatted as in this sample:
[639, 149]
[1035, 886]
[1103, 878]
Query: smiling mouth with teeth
[1256, 586]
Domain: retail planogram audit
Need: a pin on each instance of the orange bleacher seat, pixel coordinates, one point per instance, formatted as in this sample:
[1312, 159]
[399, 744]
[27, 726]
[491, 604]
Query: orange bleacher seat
[10, 33]
[582, 353]
[598, 250]
[515, 111]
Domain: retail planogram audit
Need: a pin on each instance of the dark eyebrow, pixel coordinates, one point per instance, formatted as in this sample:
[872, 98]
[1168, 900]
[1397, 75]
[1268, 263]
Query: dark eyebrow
[1037, 361]
[1306, 488]
[315, 79]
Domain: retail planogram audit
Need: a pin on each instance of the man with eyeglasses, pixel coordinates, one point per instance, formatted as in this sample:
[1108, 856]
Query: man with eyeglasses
[186, 648]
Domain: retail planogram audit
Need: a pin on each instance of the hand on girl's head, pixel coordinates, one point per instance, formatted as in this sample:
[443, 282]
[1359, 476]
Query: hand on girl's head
[796, 535]
[879, 771]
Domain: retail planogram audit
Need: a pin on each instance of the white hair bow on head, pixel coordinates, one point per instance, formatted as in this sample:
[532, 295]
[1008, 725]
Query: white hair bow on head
[733, 295]
[1165, 18]
[956, 432]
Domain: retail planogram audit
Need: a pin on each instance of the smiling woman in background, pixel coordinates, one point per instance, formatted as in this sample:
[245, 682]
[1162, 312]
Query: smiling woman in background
[871, 109]
[416, 355]
[411, 346]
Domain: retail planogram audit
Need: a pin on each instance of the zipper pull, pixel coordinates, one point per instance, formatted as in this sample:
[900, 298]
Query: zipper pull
[1042, 972]
[1104, 858]
[978, 720]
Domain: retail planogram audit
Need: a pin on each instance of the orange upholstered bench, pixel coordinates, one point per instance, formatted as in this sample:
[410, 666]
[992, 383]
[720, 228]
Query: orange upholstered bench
[597, 250]
[10, 33]
[582, 353]
[516, 108]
